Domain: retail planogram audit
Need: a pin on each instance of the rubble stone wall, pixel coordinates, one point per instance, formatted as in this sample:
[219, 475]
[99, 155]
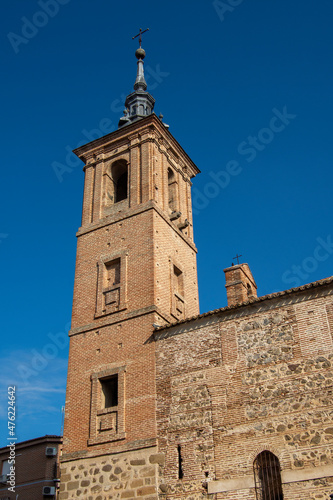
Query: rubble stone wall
[234, 384]
[120, 476]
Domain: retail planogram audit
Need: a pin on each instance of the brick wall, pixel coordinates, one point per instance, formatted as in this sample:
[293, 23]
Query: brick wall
[151, 247]
[240, 284]
[33, 468]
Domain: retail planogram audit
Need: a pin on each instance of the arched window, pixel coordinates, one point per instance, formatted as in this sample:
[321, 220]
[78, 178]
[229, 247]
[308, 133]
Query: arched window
[119, 177]
[267, 476]
[172, 190]
[115, 183]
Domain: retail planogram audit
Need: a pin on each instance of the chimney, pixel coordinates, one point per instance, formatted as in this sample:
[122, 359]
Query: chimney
[240, 284]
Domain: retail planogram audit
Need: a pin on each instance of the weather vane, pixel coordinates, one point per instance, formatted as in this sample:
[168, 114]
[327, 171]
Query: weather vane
[140, 35]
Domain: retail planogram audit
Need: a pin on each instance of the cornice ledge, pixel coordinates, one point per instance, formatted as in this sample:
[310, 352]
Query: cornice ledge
[112, 319]
[139, 444]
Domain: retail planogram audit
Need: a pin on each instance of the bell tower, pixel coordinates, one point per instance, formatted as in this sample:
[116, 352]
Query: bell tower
[135, 268]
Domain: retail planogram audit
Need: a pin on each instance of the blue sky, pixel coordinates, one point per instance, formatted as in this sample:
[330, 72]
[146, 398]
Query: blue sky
[246, 87]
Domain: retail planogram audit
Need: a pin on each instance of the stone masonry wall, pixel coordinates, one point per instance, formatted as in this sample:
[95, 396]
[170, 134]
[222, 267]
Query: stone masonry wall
[119, 476]
[255, 378]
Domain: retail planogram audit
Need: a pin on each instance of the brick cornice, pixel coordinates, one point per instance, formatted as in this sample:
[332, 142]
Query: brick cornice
[113, 319]
[131, 212]
[131, 446]
[118, 136]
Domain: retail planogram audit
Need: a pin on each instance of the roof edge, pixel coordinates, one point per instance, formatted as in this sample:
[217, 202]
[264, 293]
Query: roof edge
[31, 442]
[314, 284]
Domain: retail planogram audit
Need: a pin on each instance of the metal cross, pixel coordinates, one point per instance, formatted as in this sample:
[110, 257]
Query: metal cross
[237, 257]
[140, 35]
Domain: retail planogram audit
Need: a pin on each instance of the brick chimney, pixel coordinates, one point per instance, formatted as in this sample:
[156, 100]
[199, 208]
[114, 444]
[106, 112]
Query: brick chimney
[240, 284]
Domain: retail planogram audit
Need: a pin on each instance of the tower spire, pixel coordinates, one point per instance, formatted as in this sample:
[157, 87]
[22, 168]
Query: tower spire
[139, 103]
[140, 54]
[140, 82]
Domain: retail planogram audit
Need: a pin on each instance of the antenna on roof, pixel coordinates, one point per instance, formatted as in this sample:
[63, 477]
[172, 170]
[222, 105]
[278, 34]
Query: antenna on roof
[62, 420]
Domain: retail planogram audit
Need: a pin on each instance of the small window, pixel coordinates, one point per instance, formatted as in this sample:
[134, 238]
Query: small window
[172, 190]
[177, 290]
[111, 284]
[110, 391]
[112, 275]
[107, 409]
[115, 182]
[178, 280]
[121, 187]
[267, 476]
[5, 468]
[180, 463]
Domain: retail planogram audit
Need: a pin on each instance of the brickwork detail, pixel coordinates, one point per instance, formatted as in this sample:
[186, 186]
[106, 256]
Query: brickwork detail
[240, 284]
[314, 323]
[34, 469]
[131, 232]
[316, 489]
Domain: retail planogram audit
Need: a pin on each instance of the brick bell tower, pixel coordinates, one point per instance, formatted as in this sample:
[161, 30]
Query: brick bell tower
[135, 268]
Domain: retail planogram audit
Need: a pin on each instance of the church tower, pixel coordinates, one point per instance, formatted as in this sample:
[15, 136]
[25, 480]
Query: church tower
[135, 269]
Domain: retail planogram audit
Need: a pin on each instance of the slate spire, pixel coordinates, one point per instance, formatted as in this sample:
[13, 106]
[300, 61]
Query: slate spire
[139, 103]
